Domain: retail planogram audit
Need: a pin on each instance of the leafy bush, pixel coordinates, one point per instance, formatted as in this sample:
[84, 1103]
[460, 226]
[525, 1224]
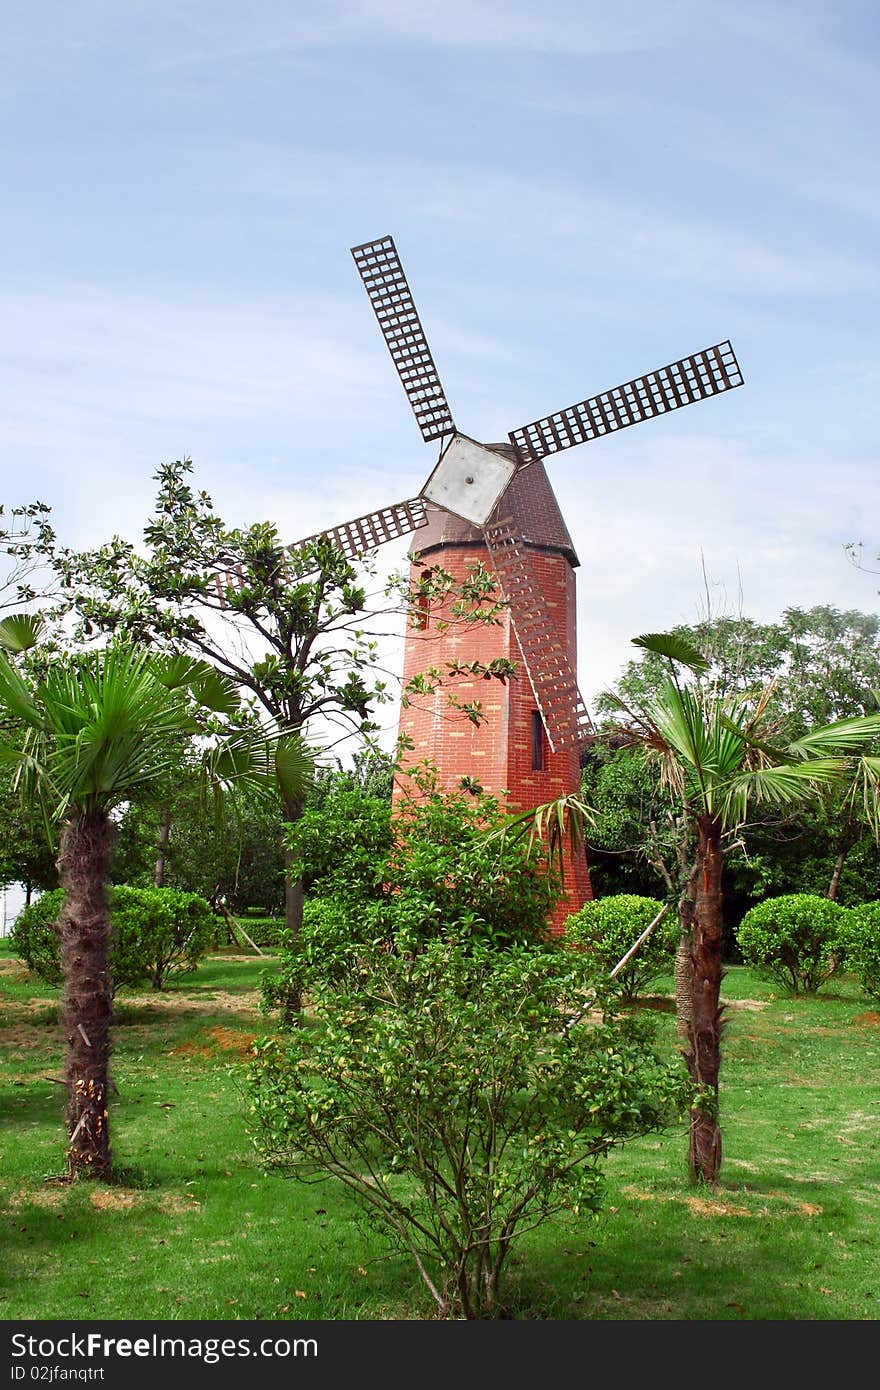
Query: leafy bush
[343, 841]
[464, 1094]
[861, 937]
[606, 929]
[327, 945]
[33, 936]
[262, 929]
[441, 877]
[796, 940]
[156, 932]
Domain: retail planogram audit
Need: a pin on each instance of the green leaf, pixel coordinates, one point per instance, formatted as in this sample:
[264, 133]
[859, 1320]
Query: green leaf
[15, 697]
[20, 631]
[673, 648]
[294, 766]
[844, 736]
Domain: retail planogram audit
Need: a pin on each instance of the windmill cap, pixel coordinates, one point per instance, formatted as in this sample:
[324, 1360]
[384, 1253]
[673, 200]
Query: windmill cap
[529, 502]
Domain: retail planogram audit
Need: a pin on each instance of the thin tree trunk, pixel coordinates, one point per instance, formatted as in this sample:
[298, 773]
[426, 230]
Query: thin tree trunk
[162, 847]
[704, 1051]
[848, 840]
[87, 997]
[28, 892]
[834, 885]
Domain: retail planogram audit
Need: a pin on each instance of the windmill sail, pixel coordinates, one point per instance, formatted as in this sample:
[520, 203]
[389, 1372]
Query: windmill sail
[382, 273]
[365, 533]
[690, 379]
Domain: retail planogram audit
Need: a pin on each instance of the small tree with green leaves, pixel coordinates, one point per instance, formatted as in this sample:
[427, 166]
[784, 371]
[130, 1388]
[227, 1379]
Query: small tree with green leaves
[798, 940]
[607, 928]
[438, 876]
[860, 936]
[155, 933]
[294, 628]
[464, 1094]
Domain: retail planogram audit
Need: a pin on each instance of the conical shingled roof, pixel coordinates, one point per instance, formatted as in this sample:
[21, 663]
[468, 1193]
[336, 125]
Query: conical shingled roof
[529, 501]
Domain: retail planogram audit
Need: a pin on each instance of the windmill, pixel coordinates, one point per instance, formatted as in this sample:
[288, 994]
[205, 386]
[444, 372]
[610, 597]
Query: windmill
[471, 480]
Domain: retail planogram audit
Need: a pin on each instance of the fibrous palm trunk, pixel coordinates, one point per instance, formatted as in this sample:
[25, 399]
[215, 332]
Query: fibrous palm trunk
[87, 999]
[704, 1051]
[684, 962]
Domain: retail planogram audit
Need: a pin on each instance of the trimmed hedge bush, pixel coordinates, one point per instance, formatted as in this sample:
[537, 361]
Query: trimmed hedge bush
[33, 936]
[607, 927]
[861, 937]
[263, 930]
[796, 940]
[157, 932]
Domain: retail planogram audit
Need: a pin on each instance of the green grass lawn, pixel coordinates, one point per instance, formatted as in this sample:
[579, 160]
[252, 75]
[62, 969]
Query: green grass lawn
[194, 1229]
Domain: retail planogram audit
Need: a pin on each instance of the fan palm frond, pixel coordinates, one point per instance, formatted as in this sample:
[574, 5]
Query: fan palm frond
[845, 736]
[674, 648]
[20, 631]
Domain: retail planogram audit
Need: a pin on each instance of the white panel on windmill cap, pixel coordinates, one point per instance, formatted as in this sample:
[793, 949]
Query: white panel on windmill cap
[469, 479]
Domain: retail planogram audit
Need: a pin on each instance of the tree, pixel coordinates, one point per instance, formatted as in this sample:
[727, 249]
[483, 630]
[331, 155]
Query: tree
[98, 729]
[239, 861]
[824, 665]
[25, 854]
[27, 543]
[439, 875]
[718, 759]
[463, 1094]
[289, 626]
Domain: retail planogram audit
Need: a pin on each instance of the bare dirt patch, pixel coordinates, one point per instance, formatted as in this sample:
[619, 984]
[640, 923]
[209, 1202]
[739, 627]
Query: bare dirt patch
[221, 1001]
[798, 1207]
[47, 1197]
[174, 1205]
[26, 1037]
[14, 970]
[230, 1040]
[219, 1038]
[868, 1020]
[748, 1005]
[114, 1199]
[719, 1206]
[706, 1206]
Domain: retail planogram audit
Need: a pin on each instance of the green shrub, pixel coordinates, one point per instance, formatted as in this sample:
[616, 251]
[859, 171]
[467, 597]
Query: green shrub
[343, 842]
[156, 932]
[33, 936]
[861, 938]
[606, 929]
[326, 945]
[439, 1086]
[263, 930]
[796, 940]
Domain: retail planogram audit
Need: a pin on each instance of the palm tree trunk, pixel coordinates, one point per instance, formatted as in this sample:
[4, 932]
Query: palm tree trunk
[87, 998]
[684, 965]
[704, 1051]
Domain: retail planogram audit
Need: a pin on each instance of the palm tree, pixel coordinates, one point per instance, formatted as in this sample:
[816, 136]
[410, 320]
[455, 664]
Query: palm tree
[720, 756]
[97, 730]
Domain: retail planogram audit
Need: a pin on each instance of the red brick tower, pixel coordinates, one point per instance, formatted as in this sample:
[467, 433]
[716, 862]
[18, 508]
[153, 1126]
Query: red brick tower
[510, 751]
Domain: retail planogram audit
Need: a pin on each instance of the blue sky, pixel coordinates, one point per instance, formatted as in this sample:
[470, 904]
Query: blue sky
[580, 192]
